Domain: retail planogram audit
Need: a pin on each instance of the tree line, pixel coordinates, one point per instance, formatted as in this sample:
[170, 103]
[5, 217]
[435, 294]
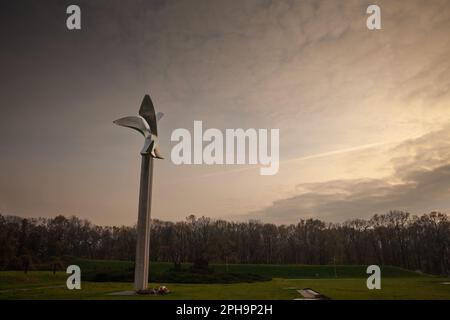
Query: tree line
[397, 238]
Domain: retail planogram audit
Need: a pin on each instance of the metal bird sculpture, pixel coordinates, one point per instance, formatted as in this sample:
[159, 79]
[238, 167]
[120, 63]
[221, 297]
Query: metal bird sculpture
[146, 124]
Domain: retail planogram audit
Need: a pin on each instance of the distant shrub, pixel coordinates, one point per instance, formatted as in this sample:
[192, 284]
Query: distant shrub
[212, 277]
[110, 276]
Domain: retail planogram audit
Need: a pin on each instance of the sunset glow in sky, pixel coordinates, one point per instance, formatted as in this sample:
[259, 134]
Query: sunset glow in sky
[364, 116]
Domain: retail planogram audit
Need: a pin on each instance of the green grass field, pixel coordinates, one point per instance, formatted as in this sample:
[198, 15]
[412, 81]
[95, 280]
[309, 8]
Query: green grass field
[274, 271]
[350, 283]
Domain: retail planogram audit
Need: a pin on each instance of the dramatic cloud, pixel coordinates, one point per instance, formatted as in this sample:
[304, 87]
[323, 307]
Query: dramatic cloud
[420, 183]
[341, 95]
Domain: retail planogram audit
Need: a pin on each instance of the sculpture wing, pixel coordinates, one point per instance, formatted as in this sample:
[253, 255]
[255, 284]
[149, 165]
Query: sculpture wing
[156, 152]
[147, 111]
[137, 123]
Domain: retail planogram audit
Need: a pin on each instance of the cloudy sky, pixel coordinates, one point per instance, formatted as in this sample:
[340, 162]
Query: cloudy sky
[364, 116]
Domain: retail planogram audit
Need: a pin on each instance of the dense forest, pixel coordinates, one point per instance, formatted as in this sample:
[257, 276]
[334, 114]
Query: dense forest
[396, 238]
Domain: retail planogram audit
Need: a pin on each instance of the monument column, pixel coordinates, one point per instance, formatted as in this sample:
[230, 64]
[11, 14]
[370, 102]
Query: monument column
[146, 124]
[143, 225]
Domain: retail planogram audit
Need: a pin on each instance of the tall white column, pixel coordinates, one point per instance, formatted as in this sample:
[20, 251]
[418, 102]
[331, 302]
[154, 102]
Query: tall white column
[143, 224]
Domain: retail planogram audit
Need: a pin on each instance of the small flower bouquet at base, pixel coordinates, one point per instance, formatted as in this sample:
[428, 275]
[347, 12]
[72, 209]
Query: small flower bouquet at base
[161, 290]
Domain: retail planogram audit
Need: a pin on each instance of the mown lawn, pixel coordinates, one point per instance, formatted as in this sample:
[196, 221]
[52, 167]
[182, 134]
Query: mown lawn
[350, 284]
[270, 270]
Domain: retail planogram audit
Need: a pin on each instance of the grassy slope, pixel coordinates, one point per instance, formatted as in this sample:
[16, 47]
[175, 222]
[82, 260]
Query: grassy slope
[275, 271]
